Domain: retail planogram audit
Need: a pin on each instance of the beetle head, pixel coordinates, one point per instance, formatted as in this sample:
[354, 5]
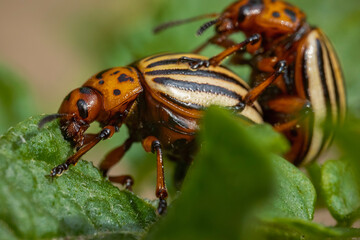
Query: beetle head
[80, 107]
[270, 17]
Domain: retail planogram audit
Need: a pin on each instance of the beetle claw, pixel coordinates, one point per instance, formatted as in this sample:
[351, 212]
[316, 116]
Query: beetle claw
[194, 63]
[162, 206]
[58, 170]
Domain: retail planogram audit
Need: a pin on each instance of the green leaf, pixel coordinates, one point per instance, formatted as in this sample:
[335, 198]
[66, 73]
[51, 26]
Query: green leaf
[268, 139]
[290, 228]
[81, 202]
[294, 195]
[314, 172]
[347, 139]
[341, 191]
[229, 179]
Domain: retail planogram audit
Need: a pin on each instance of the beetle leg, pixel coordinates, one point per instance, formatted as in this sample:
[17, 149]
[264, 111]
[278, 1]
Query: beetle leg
[86, 139]
[220, 40]
[115, 156]
[216, 60]
[254, 93]
[296, 106]
[89, 137]
[267, 64]
[289, 104]
[105, 133]
[152, 144]
[281, 127]
[126, 180]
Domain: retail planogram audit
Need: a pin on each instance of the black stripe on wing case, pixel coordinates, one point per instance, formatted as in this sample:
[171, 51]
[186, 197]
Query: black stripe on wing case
[168, 62]
[329, 117]
[196, 87]
[335, 82]
[158, 56]
[198, 73]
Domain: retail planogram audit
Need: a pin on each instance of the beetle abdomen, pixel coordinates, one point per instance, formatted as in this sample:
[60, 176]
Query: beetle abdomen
[188, 91]
[319, 79]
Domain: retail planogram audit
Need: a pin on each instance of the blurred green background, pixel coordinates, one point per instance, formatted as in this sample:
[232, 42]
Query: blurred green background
[48, 48]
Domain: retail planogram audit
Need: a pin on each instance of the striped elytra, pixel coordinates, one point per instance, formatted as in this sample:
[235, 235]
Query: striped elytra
[161, 100]
[314, 76]
[319, 79]
[188, 92]
[277, 31]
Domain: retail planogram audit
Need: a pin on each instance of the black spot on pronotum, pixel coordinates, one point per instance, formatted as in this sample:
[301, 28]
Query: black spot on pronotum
[99, 75]
[82, 107]
[255, 2]
[124, 78]
[116, 72]
[291, 14]
[250, 7]
[242, 13]
[101, 82]
[276, 14]
[117, 92]
[85, 90]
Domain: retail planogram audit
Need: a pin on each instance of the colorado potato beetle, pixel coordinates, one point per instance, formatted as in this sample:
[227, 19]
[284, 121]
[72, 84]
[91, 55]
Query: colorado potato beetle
[161, 100]
[309, 92]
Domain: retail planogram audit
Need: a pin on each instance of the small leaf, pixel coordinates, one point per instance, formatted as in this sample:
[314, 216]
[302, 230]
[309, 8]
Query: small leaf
[347, 139]
[314, 172]
[294, 195]
[341, 191]
[80, 202]
[290, 228]
[268, 139]
[229, 179]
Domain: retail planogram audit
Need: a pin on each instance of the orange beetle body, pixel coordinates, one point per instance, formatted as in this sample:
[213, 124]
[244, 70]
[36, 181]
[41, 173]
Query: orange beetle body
[161, 100]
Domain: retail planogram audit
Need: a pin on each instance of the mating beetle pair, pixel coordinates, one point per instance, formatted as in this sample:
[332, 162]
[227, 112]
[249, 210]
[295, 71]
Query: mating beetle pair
[161, 98]
[309, 92]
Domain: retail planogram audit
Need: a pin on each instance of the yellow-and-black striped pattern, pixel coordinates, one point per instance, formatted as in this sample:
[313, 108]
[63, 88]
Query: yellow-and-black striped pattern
[320, 80]
[189, 91]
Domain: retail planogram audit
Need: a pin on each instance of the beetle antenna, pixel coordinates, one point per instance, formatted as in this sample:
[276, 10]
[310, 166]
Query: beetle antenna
[206, 26]
[50, 118]
[180, 22]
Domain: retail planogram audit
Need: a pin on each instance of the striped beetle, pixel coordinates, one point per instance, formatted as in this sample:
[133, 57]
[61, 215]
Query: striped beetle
[313, 83]
[161, 100]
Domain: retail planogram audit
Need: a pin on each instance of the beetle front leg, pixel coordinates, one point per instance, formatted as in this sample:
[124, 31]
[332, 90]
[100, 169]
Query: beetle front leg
[126, 180]
[152, 144]
[105, 133]
[216, 60]
[114, 157]
[298, 107]
[220, 40]
[254, 93]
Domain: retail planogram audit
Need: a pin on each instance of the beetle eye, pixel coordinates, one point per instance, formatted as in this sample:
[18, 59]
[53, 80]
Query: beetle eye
[83, 109]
